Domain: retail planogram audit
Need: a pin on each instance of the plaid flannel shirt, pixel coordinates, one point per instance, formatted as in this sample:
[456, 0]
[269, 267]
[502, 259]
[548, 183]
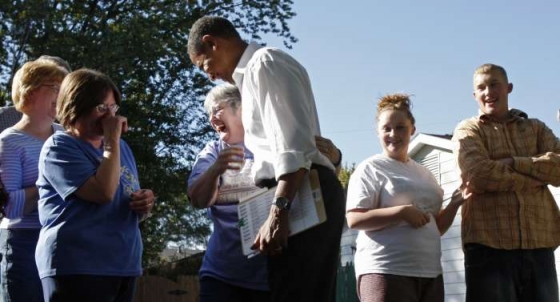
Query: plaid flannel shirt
[507, 212]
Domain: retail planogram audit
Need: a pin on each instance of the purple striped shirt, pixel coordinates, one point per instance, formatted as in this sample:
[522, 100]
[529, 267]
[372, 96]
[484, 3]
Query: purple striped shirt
[19, 157]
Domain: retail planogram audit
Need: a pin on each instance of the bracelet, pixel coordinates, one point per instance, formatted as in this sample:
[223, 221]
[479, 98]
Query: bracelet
[107, 147]
[339, 160]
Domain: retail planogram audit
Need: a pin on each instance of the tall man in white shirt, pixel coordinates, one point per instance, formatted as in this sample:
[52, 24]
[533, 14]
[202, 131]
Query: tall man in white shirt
[280, 121]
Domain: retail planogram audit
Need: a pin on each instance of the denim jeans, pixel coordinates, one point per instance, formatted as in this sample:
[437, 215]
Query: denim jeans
[495, 275]
[19, 279]
[88, 288]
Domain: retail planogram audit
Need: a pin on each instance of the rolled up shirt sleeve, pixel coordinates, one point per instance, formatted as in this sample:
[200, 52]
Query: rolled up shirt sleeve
[544, 167]
[478, 168]
[287, 108]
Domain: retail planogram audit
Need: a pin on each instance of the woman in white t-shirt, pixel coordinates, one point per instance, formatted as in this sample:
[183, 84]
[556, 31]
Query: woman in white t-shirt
[396, 204]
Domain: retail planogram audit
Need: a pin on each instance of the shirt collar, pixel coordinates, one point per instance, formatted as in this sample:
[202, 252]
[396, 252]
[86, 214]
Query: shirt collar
[239, 71]
[514, 115]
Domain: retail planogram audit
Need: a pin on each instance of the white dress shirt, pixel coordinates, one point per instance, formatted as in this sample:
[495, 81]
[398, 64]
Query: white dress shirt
[278, 112]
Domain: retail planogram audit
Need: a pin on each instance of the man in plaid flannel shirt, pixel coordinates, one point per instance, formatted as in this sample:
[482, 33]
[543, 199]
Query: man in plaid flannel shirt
[511, 225]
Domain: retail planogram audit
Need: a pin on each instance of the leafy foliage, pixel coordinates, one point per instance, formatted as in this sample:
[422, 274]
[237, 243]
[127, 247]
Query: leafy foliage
[141, 44]
[344, 175]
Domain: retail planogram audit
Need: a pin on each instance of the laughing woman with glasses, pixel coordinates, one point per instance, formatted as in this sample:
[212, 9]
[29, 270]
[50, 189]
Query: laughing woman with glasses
[34, 93]
[90, 201]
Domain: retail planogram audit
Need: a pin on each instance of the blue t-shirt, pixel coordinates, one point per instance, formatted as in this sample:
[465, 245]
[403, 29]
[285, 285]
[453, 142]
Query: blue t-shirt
[78, 236]
[224, 259]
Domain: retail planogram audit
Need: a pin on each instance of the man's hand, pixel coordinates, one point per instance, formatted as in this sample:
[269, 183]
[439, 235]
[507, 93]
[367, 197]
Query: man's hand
[506, 161]
[328, 149]
[273, 234]
[534, 183]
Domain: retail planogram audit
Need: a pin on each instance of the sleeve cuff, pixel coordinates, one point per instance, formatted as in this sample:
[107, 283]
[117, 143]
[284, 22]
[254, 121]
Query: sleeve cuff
[289, 162]
[339, 159]
[523, 165]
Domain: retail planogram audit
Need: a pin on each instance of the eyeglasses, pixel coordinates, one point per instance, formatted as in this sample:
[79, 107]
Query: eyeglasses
[54, 87]
[102, 108]
[217, 109]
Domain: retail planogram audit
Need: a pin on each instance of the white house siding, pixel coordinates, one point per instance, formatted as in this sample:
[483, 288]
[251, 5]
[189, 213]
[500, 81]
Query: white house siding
[348, 246]
[440, 161]
[556, 192]
[451, 246]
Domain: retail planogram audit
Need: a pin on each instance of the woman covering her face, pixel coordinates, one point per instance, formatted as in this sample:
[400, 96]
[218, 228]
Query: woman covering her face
[90, 202]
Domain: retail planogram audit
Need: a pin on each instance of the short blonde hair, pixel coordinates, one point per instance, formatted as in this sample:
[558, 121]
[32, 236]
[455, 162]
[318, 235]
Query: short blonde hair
[397, 101]
[488, 68]
[57, 60]
[30, 77]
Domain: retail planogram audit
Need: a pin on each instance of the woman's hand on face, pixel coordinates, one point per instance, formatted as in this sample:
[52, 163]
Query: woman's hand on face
[414, 216]
[114, 126]
[142, 201]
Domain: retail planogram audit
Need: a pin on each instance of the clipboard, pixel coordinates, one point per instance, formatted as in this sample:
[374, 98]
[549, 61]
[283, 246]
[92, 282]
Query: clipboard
[307, 210]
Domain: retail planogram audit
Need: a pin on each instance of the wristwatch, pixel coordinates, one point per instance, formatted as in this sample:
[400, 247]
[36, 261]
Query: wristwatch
[282, 203]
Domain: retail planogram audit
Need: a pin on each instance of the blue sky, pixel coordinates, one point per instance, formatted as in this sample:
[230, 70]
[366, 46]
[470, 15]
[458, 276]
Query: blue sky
[361, 50]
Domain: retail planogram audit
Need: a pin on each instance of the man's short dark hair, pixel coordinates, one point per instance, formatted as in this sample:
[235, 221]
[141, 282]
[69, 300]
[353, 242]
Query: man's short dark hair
[209, 25]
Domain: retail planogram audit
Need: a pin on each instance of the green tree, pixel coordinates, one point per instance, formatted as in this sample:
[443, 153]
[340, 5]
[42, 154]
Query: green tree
[141, 44]
[344, 175]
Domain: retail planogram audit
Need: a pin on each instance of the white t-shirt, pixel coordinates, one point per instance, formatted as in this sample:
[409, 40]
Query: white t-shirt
[382, 182]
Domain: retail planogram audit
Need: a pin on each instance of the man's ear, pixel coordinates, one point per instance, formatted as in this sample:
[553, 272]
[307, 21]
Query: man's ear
[510, 87]
[209, 40]
[413, 130]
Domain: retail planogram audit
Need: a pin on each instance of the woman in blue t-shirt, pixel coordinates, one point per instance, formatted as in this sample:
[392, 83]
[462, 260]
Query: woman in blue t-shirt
[90, 200]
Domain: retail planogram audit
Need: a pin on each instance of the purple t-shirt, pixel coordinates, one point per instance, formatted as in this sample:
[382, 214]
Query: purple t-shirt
[224, 259]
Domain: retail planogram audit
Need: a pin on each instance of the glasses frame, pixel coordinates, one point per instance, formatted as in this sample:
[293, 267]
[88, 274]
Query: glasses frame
[103, 108]
[54, 87]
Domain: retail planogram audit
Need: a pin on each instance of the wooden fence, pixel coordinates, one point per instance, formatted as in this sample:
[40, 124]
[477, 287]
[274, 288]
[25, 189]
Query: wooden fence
[152, 288]
[161, 289]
